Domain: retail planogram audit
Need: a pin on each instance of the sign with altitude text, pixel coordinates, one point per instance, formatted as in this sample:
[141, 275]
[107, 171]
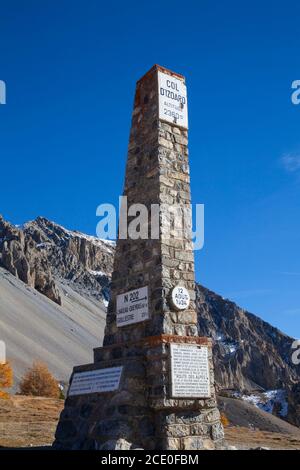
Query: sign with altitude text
[132, 306]
[96, 381]
[172, 100]
[189, 371]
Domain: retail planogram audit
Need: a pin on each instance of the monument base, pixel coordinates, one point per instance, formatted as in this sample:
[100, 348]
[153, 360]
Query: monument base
[141, 413]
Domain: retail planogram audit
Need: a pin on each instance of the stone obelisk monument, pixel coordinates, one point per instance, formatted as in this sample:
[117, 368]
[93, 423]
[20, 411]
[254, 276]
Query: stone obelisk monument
[151, 385]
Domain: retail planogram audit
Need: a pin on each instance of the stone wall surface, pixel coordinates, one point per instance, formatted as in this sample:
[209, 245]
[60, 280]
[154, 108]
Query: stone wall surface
[143, 413]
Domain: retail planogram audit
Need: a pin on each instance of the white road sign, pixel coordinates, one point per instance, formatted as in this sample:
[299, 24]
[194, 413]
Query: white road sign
[132, 306]
[172, 100]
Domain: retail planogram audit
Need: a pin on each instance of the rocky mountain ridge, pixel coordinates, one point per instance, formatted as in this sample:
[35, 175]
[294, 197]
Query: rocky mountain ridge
[20, 256]
[41, 253]
[250, 353]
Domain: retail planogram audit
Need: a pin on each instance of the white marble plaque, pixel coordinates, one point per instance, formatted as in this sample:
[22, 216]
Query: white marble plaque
[96, 381]
[172, 100]
[180, 298]
[189, 371]
[132, 306]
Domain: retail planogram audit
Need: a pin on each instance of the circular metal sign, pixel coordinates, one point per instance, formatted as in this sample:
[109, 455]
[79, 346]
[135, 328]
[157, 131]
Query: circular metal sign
[180, 298]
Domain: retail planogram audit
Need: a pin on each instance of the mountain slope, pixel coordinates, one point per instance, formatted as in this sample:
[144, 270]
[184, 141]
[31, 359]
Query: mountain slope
[249, 353]
[42, 254]
[34, 327]
[244, 414]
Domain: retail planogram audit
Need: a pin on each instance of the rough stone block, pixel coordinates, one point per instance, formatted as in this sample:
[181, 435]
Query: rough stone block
[169, 443]
[113, 429]
[65, 430]
[198, 429]
[116, 444]
[177, 430]
[217, 431]
[192, 443]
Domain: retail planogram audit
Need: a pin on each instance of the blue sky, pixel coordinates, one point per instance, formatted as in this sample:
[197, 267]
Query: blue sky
[70, 69]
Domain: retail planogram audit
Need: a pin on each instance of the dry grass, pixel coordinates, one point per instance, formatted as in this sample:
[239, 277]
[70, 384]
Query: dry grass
[28, 421]
[31, 421]
[244, 438]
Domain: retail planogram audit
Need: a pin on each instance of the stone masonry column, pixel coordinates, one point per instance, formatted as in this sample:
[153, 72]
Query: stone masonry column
[153, 406]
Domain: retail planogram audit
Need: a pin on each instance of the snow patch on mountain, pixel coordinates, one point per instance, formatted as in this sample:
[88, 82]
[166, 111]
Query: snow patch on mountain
[65, 233]
[97, 273]
[230, 347]
[268, 401]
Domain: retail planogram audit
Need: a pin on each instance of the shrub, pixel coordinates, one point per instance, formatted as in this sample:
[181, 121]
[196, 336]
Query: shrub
[38, 381]
[6, 378]
[224, 420]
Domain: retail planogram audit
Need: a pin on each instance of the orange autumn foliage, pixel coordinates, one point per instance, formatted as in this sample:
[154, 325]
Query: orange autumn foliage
[224, 420]
[6, 378]
[38, 381]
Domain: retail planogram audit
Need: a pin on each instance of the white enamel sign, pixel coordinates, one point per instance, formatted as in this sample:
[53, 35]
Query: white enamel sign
[172, 100]
[189, 371]
[180, 298]
[132, 306]
[96, 381]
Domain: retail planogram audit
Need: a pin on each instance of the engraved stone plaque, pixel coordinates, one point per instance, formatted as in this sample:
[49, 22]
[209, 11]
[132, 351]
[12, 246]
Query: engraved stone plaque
[189, 371]
[96, 381]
